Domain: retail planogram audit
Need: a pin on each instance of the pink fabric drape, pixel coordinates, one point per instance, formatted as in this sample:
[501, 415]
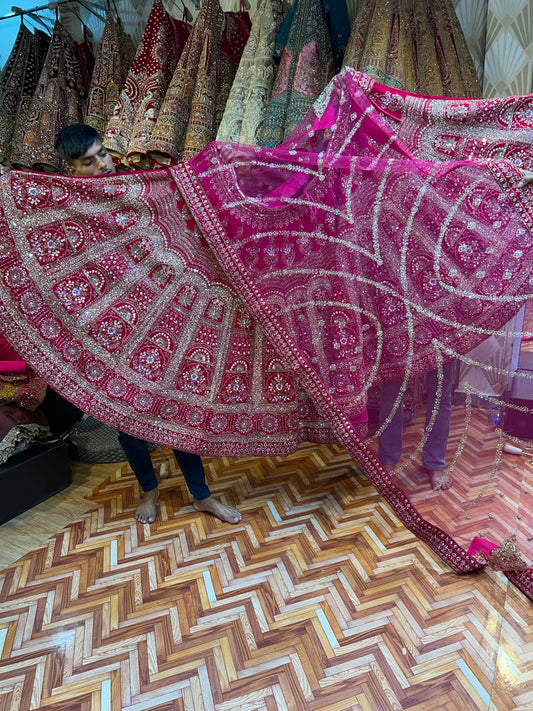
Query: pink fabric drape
[247, 299]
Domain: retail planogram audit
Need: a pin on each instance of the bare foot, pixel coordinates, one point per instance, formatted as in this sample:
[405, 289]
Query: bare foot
[222, 511]
[147, 510]
[439, 478]
[527, 178]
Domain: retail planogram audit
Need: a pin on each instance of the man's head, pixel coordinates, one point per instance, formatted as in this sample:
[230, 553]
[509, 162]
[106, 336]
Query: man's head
[81, 147]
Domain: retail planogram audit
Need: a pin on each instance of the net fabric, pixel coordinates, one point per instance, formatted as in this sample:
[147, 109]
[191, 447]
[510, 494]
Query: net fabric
[249, 298]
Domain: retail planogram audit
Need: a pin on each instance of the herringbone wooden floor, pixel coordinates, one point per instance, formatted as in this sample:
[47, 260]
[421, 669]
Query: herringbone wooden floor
[318, 600]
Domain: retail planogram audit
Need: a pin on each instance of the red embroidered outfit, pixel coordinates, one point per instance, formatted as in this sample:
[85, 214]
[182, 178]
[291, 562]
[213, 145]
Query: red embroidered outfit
[222, 304]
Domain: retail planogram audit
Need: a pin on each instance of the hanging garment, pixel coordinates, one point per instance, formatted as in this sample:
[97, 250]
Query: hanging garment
[247, 299]
[114, 57]
[186, 119]
[380, 44]
[84, 52]
[18, 83]
[339, 28]
[194, 102]
[305, 68]
[252, 86]
[412, 45]
[11, 83]
[129, 130]
[237, 28]
[57, 102]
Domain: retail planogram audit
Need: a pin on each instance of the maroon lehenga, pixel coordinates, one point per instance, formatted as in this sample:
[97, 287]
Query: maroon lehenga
[129, 130]
[113, 60]
[58, 100]
[248, 299]
[195, 100]
[18, 82]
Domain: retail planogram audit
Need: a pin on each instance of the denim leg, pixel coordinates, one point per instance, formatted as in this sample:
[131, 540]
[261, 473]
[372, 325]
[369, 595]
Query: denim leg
[193, 471]
[138, 456]
[434, 455]
[390, 442]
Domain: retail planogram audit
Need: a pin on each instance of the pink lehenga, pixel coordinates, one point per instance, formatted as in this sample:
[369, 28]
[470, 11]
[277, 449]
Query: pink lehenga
[247, 299]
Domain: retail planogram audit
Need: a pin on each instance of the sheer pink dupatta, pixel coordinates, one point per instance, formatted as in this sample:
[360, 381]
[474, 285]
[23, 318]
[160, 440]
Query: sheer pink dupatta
[366, 265]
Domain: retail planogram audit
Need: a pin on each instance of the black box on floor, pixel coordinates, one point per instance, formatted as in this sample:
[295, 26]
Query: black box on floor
[516, 423]
[32, 476]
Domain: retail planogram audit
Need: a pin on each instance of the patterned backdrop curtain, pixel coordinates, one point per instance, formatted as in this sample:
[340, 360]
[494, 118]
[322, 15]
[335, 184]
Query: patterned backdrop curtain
[499, 36]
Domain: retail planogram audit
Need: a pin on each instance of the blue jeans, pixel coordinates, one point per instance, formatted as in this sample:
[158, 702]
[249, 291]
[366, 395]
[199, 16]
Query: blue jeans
[138, 456]
[434, 451]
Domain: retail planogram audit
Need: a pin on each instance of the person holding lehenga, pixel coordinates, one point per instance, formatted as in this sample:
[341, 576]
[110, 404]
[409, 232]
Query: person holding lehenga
[276, 278]
[81, 148]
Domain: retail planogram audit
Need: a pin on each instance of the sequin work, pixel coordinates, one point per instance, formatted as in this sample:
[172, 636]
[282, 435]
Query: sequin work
[222, 304]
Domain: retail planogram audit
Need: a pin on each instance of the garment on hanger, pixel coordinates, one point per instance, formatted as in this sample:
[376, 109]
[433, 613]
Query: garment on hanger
[305, 68]
[43, 44]
[237, 26]
[252, 86]
[193, 105]
[113, 59]
[129, 130]
[18, 82]
[186, 120]
[58, 101]
[84, 52]
[413, 45]
[206, 306]
[338, 21]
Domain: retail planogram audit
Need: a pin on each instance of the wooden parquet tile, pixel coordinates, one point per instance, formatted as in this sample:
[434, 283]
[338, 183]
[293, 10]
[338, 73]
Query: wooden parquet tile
[319, 600]
[28, 530]
[491, 497]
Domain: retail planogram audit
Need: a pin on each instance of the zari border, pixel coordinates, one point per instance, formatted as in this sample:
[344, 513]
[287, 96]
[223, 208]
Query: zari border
[195, 197]
[507, 176]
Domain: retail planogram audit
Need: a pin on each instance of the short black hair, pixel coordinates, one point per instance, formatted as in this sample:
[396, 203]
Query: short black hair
[72, 141]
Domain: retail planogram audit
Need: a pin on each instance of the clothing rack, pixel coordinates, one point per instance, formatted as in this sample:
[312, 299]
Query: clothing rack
[19, 12]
